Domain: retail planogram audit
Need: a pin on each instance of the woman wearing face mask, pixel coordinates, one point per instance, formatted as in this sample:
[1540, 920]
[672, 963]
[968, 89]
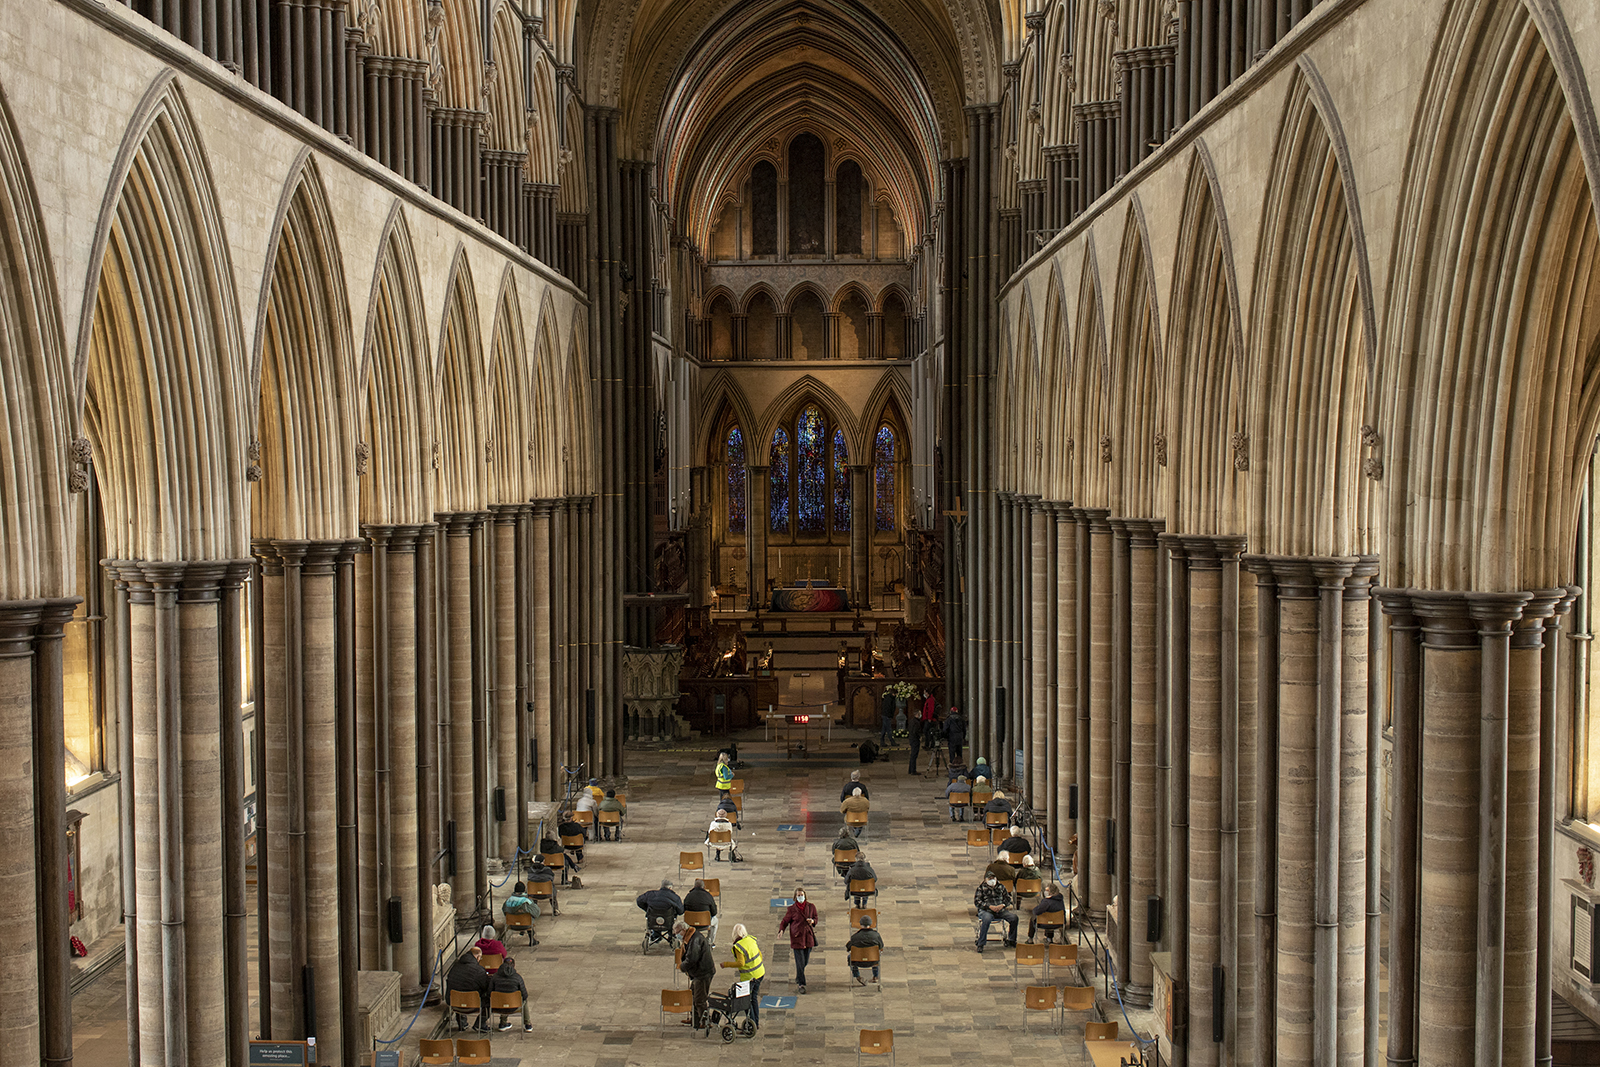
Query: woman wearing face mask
[801, 922]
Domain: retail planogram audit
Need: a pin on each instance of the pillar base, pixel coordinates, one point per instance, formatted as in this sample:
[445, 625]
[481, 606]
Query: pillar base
[1138, 996]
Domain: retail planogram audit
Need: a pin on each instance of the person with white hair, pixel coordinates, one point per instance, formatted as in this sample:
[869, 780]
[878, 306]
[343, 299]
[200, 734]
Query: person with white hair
[1016, 842]
[747, 957]
[854, 783]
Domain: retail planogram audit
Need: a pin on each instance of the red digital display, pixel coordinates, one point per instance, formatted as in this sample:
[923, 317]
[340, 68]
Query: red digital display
[797, 719]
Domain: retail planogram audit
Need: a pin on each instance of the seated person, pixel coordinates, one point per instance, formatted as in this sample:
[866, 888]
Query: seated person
[1002, 870]
[852, 785]
[661, 901]
[958, 769]
[845, 842]
[468, 976]
[999, 803]
[700, 899]
[586, 802]
[567, 827]
[980, 769]
[1016, 842]
[869, 751]
[519, 903]
[541, 873]
[728, 806]
[490, 945]
[1050, 903]
[865, 937]
[993, 902]
[719, 822]
[855, 803]
[507, 980]
[611, 803]
[859, 871]
[957, 784]
[594, 790]
[1029, 869]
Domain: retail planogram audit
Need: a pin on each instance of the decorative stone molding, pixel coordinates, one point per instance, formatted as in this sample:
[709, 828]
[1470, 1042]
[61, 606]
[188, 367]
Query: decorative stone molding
[252, 473]
[81, 458]
[1161, 449]
[1241, 451]
[1105, 449]
[1372, 465]
[363, 458]
[650, 690]
[436, 456]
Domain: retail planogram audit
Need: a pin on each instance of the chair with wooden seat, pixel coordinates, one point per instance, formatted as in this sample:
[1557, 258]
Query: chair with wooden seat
[677, 964]
[543, 891]
[473, 1051]
[556, 861]
[492, 961]
[865, 956]
[961, 802]
[843, 858]
[1039, 998]
[574, 841]
[700, 920]
[856, 916]
[1060, 957]
[1028, 888]
[1077, 998]
[856, 820]
[675, 1002]
[875, 1043]
[714, 887]
[464, 1003]
[504, 1004]
[998, 834]
[612, 819]
[719, 840]
[438, 1050]
[738, 811]
[1028, 956]
[737, 788]
[1100, 1031]
[1013, 858]
[981, 797]
[977, 838]
[584, 818]
[519, 923]
[863, 887]
[992, 819]
[691, 861]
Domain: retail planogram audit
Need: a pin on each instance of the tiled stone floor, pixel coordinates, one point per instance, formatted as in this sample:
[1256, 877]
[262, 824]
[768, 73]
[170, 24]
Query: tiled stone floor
[596, 998]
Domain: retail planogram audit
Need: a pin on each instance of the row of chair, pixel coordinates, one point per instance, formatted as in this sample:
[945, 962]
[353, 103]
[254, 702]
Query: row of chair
[1058, 1000]
[443, 1050]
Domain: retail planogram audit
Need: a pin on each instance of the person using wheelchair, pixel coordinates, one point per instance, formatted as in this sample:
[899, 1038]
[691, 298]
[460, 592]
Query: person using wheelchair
[662, 908]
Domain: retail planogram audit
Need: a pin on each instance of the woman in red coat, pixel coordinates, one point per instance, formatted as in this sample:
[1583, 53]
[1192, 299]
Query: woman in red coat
[801, 922]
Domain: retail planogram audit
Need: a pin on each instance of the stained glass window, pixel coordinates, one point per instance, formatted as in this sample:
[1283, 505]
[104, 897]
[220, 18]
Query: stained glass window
[779, 477]
[841, 483]
[811, 470]
[883, 475]
[735, 481]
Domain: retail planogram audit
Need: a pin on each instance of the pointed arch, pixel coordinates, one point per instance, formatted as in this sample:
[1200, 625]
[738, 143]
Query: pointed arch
[1056, 363]
[460, 391]
[1018, 385]
[802, 289]
[1207, 394]
[1137, 375]
[579, 449]
[1090, 392]
[852, 306]
[550, 431]
[1309, 330]
[1496, 316]
[505, 101]
[461, 52]
[719, 391]
[889, 399]
[808, 387]
[161, 352]
[397, 420]
[514, 416]
[305, 370]
[35, 415]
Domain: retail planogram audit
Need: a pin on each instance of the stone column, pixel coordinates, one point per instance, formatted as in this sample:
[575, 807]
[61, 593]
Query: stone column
[864, 521]
[429, 871]
[741, 336]
[1080, 663]
[874, 335]
[1039, 526]
[1121, 683]
[1049, 707]
[176, 697]
[830, 335]
[1143, 608]
[506, 711]
[755, 527]
[1098, 597]
[1002, 620]
[545, 652]
[459, 631]
[1262, 1038]
[1205, 714]
[372, 725]
[1067, 780]
[1179, 905]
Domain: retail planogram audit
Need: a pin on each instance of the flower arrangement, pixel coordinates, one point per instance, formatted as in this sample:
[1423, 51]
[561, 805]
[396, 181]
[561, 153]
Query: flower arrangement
[902, 690]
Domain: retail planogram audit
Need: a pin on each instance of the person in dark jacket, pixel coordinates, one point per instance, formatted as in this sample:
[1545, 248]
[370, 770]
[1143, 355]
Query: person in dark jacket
[1050, 903]
[859, 871]
[866, 937]
[662, 901]
[700, 967]
[993, 902]
[700, 899]
[998, 803]
[852, 785]
[958, 784]
[800, 919]
[955, 734]
[468, 976]
[846, 843]
[507, 980]
[886, 712]
[541, 873]
[1016, 842]
[568, 827]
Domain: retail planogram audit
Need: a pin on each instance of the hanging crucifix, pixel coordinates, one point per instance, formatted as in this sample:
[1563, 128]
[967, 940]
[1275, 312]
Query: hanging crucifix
[958, 522]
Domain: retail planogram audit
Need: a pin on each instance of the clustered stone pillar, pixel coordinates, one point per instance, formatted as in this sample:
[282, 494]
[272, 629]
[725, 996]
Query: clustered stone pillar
[1041, 593]
[1468, 862]
[1139, 871]
[37, 1026]
[188, 872]
[545, 652]
[864, 516]
[463, 633]
[506, 596]
[1068, 780]
[756, 484]
[1095, 534]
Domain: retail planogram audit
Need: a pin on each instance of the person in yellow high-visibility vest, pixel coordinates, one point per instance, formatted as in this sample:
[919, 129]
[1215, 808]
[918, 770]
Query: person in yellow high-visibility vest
[747, 957]
[724, 774]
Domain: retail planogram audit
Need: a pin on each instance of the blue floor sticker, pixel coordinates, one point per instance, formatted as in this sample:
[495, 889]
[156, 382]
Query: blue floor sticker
[777, 1002]
[782, 902]
[788, 827]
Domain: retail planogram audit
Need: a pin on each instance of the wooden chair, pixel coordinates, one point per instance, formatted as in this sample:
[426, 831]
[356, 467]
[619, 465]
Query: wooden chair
[998, 834]
[992, 819]
[875, 1043]
[1029, 887]
[863, 887]
[473, 1051]
[1039, 998]
[517, 922]
[556, 861]
[843, 858]
[504, 1004]
[977, 838]
[1028, 956]
[691, 861]
[675, 1002]
[700, 920]
[438, 1050]
[572, 841]
[464, 1002]
[857, 913]
[720, 839]
[1100, 1031]
[855, 818]
[491, 962]
[1013, 858]
[737, 788]
[612, 818]
[1077, 998]
[961, 801]
[1060, 956]
[980, 797]
[865, 955]
[677, 964]
[585, 818]
[714, 887]
[543, 891]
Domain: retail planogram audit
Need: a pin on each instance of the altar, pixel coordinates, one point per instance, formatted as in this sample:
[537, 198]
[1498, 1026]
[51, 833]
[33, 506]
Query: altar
[810, 594]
